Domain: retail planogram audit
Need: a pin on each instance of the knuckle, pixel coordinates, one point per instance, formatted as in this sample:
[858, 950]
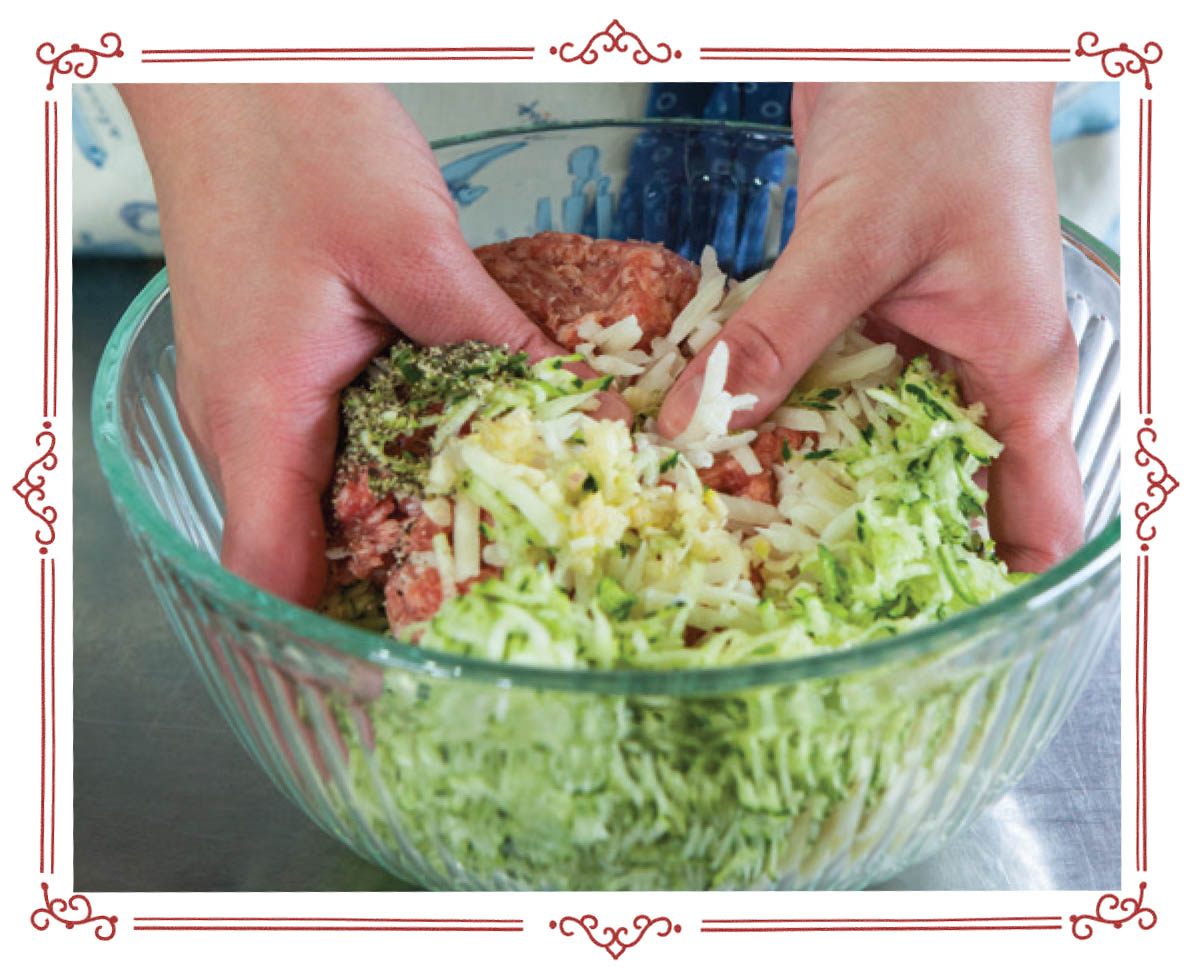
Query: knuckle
[869, 253]
[420, 263]
[1034, 421]
[1053, 367]
[1028, 373]
[430, 254]
[756, 356]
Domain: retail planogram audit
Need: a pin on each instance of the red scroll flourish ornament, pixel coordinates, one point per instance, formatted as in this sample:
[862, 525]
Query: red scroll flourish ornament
[32, 488]
[613, 941]
[71, 912]
[81, 61]
[1129, 907]
[615, 38]
[1117, 60]
[1161, 484]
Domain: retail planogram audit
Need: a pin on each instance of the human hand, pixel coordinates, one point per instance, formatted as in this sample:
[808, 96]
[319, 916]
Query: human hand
[302, 224]
[933, 206]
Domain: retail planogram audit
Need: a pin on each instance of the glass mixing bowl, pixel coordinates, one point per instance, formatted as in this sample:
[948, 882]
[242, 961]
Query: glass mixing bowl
[832, 771]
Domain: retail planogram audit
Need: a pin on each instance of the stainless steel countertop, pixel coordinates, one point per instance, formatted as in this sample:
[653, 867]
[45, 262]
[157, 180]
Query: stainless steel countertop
[167, 799]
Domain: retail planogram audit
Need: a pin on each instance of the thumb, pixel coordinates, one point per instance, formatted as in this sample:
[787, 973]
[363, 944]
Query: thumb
[836, 265]
[447, 296]
[440, 293]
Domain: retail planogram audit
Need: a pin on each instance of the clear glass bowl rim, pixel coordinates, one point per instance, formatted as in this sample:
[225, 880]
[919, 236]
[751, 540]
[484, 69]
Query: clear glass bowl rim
[276, 614]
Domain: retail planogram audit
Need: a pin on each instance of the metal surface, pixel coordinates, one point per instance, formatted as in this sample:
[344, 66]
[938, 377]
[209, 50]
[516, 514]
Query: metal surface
[166, 798]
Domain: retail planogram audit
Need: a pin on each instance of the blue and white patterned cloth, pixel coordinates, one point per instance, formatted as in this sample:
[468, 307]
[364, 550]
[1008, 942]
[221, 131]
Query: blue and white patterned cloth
[113, 198]
[1086, 136]
[115, 212]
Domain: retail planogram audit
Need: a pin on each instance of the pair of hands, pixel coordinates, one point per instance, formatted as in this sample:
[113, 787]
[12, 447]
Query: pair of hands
[304, 223]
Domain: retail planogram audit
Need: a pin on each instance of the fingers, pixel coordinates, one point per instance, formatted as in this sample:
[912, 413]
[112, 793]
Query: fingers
[259, 391]
[438, 292]
[273, 473]
[611, 406]
[447, 296]
[834, 267]
[1036, 502]
[273, 432]
[1035, 506]
[260, 368]
[274, 535]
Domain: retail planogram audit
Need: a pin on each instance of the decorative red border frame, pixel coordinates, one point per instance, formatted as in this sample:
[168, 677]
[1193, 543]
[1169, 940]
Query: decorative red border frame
[242, 54]
[326, 924]
[1115, 61]
[778, 925]
[76, 910]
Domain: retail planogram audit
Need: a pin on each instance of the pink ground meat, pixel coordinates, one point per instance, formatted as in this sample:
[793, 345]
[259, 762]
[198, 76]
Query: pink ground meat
[560, 279]
[728, 477]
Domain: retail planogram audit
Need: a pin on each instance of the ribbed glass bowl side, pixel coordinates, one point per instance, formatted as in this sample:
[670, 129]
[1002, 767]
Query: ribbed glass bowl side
[455, 775]
[827, 783]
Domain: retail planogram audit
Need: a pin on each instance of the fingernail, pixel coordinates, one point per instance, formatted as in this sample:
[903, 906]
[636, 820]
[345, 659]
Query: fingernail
[611, 406]
[679, 405]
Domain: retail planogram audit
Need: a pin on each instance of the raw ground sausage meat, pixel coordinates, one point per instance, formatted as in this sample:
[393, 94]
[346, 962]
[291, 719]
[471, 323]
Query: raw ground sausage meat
[374, 532]
[728, 477]
[559, 279]
[380, 535]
